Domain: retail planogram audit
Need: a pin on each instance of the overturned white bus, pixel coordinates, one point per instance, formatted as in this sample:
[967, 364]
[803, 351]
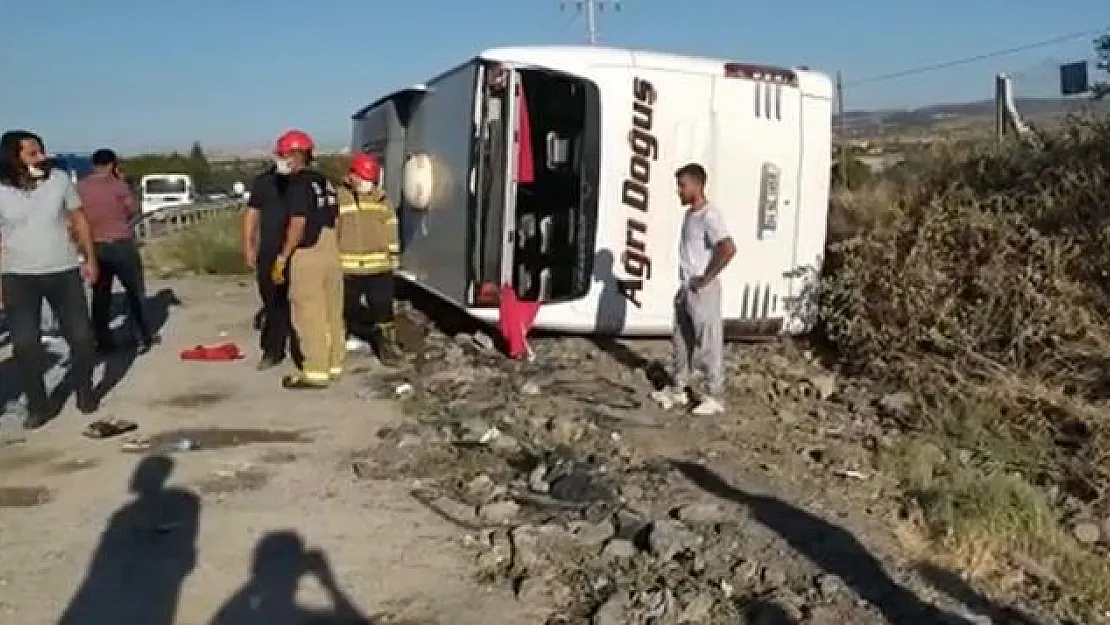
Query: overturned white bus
[552, 169]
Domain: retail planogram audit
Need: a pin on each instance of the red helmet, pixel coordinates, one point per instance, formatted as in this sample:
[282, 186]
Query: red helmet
[293, 140]
[366, 167]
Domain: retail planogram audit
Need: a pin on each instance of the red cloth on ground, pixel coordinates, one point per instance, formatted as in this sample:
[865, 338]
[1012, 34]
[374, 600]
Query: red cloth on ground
[216, 353]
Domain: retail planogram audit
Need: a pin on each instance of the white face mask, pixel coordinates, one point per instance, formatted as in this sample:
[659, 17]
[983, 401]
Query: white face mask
[36, 172]
[283, 166]
[366, 187]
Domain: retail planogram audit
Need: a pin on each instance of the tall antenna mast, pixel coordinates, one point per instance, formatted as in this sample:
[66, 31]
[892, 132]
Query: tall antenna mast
[590, 8]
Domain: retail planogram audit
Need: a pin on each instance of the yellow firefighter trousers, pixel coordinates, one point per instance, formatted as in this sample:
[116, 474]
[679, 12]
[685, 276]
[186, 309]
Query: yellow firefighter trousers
[316, 296]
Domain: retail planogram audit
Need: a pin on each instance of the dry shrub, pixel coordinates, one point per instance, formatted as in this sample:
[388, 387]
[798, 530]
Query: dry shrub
[861, 210]
[981, 282]
[990, 263]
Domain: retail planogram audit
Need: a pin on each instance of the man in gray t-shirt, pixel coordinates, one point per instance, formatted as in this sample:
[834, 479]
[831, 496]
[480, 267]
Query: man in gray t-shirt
[40, 220]
[705, 249]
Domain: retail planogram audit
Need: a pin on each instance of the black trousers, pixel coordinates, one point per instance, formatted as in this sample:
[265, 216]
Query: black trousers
[23, 297]
[276, 334]
[119, 260]
[367, 302]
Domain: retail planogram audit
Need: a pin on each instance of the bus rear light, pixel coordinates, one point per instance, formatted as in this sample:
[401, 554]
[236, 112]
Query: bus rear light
[762, 73]
[488, 294]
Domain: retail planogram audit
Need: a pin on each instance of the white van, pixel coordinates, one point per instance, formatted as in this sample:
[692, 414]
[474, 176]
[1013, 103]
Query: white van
[159, 191]
[552, 169]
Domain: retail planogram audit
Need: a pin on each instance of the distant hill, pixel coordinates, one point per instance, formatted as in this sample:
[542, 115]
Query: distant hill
[927, 116]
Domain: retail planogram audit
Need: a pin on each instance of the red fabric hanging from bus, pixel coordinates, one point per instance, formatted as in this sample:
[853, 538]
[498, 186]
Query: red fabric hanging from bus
[515, 319]
[525, 164]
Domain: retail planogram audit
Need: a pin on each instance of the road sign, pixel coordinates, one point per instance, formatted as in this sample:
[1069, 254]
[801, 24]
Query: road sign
[1073, 79]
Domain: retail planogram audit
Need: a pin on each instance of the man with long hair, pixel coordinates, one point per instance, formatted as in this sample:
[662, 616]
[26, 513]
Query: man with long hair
[39, 208]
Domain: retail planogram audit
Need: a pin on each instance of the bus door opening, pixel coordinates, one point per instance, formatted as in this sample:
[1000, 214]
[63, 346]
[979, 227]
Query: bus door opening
[556, 175]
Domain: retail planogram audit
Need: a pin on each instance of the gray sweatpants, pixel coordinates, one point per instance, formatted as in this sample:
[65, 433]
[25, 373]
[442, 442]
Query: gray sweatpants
[698, 338]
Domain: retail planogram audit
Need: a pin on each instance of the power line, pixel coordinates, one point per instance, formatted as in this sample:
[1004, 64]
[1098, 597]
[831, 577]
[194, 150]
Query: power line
[974, 59]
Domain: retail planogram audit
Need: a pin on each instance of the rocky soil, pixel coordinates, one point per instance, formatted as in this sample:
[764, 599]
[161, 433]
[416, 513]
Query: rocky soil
[494, 491]
[574, 489]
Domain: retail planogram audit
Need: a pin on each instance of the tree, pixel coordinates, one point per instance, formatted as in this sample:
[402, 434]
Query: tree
[334, 166]
[196, 153]
[199, 167]
[1101, 88]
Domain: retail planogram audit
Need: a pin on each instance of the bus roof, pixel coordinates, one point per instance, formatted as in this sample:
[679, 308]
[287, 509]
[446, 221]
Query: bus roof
[572, 58]
[409, 91]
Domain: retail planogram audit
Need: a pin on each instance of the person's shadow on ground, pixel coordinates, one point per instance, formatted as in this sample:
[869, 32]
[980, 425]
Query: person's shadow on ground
[144, 555]
[269, 597]
[955, 587]
[831, 548]
[118, 364]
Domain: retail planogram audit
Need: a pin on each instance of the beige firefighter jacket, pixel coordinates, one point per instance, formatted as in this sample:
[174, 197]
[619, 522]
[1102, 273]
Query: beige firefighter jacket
[367, 228]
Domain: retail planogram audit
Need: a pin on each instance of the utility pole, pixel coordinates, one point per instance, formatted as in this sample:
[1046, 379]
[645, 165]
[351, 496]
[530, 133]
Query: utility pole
[840, 129]
[590, 9]
[591, 22]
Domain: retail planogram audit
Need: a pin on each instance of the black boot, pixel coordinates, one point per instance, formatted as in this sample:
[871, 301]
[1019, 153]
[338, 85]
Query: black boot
[268, 362]
[298, 382]
[39, 407]
[147, 340]
[35, 419]
[87, 401]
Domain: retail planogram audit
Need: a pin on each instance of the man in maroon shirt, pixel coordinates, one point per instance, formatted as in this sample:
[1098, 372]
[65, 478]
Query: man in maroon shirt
[110, 205]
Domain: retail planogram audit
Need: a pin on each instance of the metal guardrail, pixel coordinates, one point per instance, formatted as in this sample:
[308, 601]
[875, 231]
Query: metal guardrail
[172, 219]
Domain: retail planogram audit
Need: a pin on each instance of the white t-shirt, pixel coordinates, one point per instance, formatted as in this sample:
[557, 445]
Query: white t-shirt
[702, 229]
[34, 226]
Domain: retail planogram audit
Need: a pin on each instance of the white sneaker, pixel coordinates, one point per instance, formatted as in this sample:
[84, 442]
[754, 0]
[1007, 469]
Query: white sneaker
[707, 407]
[355, 344]
[679, 396]
[669, 398]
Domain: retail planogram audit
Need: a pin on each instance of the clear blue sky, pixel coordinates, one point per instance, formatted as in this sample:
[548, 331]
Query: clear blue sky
[152, 74]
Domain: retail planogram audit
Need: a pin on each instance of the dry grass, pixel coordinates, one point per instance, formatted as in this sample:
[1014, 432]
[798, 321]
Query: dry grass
[990, 524]
[981, 282]
[211, 247]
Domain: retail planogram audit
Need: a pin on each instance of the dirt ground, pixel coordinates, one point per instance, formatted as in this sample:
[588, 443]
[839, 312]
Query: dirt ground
[73, 538]
[465, 488]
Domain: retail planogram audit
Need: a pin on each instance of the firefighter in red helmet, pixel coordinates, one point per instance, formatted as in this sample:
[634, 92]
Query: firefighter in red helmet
[369, 252]
[310, 261]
